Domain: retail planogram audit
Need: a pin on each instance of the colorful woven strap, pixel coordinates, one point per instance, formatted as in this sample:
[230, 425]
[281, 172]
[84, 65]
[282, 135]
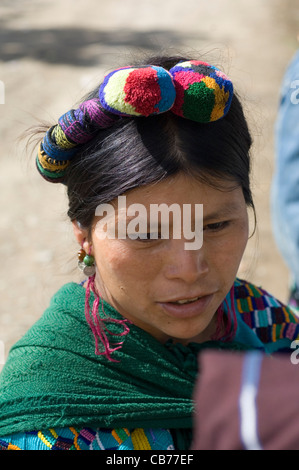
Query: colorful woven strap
[89, 439]
[268, 317]
[192, 89]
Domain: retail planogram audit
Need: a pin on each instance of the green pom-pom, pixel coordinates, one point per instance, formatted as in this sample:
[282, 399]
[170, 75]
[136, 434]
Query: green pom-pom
[199, 101]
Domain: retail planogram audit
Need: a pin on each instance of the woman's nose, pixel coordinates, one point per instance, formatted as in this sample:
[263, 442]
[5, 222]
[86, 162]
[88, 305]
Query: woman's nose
[187, 265]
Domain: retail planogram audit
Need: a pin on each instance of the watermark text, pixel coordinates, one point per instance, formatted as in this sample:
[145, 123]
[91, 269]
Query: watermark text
[295, 93]
[295, 355]
[159, 221]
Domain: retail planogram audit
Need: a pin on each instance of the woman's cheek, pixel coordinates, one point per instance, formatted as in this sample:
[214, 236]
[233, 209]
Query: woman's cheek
[226, 252]
[117, 264]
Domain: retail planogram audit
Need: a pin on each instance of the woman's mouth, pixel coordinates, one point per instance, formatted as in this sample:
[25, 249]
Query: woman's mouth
[189, 307]
[185, 301]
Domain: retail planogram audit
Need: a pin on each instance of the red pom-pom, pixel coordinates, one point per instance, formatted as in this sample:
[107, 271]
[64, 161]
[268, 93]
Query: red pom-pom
[142, 90]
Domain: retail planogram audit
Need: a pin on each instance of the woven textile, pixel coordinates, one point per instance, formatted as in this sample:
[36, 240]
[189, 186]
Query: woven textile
[269, 318]
[53, 378]
[89, 439]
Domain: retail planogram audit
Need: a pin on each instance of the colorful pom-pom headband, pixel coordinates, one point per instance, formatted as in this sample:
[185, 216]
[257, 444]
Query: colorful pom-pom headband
[193, 89]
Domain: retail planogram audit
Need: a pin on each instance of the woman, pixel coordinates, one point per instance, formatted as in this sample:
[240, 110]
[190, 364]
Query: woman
[112, 362]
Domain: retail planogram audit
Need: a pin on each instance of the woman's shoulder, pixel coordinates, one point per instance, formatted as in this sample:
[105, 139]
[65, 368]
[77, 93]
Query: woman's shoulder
[270, 318]
[69, 292]
[89, 438]
[61, 327]
[66, 305]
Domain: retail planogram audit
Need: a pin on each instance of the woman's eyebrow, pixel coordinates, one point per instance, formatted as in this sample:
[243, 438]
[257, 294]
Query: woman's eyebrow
[226, 210]
[222, 212]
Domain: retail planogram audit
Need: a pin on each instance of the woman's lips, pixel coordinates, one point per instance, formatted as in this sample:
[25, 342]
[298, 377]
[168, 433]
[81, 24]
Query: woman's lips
[187, 310]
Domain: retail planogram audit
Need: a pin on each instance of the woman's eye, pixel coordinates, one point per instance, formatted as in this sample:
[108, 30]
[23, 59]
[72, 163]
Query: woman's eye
[217, 226]
[145, 237]
[151, 236]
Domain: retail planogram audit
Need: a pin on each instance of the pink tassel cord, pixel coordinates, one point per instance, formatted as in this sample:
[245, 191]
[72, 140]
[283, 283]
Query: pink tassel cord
[97, 323]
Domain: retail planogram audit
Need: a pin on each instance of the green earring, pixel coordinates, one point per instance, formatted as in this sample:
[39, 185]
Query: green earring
[86, 263]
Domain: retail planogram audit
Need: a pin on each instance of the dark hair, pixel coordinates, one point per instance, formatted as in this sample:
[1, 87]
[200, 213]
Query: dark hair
[144, 150]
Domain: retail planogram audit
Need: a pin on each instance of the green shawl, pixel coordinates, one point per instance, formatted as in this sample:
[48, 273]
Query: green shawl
[53, 378]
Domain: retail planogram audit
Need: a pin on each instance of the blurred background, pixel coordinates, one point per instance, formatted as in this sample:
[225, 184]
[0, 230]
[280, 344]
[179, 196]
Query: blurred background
[52, 52]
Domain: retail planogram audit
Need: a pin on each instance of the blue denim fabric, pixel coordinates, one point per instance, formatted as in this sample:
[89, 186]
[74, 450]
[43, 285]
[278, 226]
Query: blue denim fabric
[285, 184]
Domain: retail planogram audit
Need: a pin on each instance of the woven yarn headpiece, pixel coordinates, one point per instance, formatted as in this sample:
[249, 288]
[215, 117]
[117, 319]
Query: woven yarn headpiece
[192, 89]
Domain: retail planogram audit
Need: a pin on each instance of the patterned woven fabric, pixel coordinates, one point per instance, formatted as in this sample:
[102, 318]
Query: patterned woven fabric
[269, 318]
[89, 439]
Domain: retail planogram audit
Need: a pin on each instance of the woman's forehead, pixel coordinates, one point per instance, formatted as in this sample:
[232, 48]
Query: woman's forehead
[184, 188]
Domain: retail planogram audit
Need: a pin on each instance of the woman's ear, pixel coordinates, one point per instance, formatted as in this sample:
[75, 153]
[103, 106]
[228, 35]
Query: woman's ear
[81, 235]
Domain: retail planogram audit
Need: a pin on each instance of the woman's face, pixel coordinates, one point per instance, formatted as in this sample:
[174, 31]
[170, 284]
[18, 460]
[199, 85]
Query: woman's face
[159, 285]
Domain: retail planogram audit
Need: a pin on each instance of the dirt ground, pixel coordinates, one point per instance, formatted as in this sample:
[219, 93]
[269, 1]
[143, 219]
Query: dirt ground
[52, 52]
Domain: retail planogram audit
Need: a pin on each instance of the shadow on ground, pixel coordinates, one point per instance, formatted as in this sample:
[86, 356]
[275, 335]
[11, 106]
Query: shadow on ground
[82, 47]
